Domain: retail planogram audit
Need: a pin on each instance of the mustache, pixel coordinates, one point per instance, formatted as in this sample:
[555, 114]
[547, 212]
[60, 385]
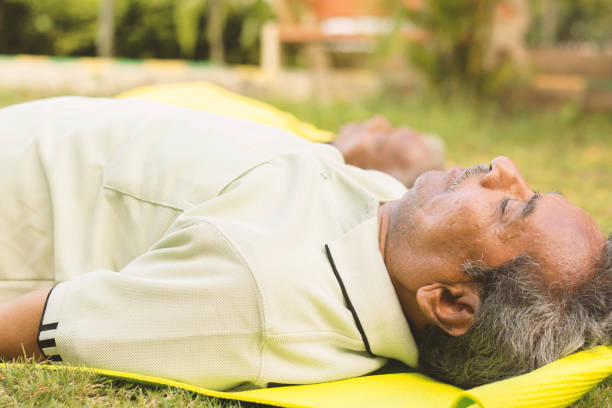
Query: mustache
[467, 173]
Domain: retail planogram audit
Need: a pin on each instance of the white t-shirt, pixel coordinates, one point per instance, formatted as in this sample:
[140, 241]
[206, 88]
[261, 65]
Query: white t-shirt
[196, 247]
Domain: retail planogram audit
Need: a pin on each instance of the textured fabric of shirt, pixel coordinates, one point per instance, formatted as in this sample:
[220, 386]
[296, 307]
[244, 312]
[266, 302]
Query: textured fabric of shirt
[195, 247]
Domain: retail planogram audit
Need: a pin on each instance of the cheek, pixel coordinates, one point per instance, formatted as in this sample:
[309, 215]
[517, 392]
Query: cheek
[458, 230]
[448, 227]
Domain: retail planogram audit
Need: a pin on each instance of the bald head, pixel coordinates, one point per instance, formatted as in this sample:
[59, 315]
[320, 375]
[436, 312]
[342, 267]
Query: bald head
[401, 152]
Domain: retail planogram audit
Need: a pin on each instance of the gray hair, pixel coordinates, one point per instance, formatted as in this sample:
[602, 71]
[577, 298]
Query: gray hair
[521, 324]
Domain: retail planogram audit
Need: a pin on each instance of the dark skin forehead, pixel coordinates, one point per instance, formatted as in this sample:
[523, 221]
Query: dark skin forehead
[562, 237]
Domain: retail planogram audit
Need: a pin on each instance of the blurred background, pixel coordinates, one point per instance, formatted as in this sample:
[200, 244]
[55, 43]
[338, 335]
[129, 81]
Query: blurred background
[528, 79]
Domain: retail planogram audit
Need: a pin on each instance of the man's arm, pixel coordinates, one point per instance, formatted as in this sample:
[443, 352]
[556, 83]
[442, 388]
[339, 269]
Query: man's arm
[19, 321]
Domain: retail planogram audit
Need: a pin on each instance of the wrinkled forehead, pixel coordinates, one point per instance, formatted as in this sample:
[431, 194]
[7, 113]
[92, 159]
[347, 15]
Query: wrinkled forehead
[565, 239]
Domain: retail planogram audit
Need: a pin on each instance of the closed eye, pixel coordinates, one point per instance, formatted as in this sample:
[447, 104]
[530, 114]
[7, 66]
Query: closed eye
[502, 206]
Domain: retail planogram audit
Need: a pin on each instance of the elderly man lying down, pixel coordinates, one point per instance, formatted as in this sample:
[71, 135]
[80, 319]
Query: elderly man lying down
[221, 252]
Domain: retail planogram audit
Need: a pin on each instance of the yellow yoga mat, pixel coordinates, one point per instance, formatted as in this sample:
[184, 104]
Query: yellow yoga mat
[212, 98]
[555, 385]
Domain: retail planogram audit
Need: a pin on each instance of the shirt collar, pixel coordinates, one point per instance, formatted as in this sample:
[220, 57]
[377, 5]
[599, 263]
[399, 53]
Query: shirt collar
[367, 286]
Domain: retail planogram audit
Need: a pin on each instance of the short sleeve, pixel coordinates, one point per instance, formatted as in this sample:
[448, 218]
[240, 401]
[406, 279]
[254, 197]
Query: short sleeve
[188, 309]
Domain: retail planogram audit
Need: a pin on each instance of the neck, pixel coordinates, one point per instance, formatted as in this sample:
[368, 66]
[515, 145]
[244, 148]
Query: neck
[384, 220]
[407, 297]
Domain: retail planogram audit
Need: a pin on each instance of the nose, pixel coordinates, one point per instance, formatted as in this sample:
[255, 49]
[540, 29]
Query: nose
[505, 176]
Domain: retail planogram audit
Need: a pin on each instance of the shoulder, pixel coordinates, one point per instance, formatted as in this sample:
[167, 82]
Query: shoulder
[373, 183]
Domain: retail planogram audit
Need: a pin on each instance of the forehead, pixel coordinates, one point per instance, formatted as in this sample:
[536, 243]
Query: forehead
[564, 238]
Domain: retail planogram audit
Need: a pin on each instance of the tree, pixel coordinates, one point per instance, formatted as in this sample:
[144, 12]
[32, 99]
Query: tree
[457, 37]
[105, 28]
[190, 16]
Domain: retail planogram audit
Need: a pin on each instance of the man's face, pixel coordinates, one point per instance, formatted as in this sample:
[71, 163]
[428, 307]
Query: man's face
[489, 214]
[402, 152]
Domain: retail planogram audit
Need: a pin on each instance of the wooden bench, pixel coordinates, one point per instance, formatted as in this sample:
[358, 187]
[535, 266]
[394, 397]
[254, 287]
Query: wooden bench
[565, 74]
[312, 29]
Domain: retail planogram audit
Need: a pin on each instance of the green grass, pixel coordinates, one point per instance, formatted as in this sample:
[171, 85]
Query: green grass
[26, 386]
[556, 149]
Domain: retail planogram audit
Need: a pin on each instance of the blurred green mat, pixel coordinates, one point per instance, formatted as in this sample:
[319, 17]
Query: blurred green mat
[555, 385]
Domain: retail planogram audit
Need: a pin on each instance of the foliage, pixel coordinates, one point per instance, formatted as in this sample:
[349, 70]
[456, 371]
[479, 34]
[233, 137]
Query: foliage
[187, 15]
[452, 55]
[143, 28]
[51, 26]
[576, 21]
[191, 24]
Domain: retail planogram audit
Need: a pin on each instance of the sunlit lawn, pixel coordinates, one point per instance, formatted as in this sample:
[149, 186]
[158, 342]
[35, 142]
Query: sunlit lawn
[557, 149]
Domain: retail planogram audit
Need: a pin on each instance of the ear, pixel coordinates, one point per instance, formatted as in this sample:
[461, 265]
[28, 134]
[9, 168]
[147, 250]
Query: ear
[449, 306]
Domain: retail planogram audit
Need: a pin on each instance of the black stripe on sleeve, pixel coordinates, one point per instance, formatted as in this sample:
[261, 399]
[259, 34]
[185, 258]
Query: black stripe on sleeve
[349, 304]
[50, 326]
[46, 343]
[44, 327]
